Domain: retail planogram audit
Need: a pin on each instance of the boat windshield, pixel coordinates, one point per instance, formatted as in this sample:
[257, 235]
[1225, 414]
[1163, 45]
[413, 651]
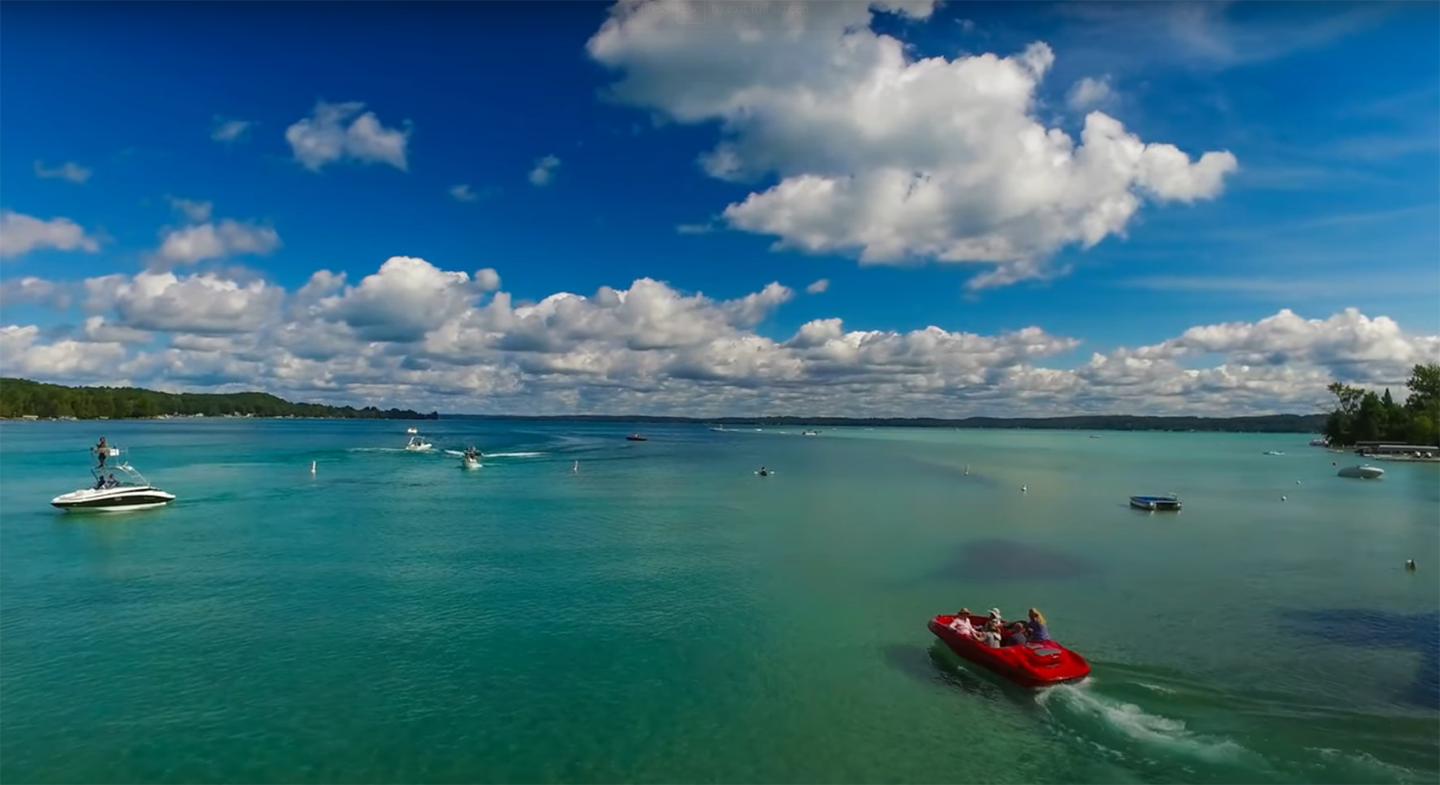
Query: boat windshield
[117, 474]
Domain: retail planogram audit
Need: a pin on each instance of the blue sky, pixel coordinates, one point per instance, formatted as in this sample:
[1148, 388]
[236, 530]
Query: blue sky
[1331, 113]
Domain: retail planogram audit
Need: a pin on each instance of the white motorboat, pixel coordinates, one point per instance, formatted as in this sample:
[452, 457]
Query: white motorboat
[418, 444]
[129, 491]
[470, 459]
[1362, 471]
[1320, 442]
[412, 431]
[810, 433]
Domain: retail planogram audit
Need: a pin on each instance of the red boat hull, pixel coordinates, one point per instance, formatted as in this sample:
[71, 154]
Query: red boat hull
[1037, 664]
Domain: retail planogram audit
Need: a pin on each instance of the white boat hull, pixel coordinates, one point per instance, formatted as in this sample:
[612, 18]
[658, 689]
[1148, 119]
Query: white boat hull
[469, 463]
[1362, 472]
[112, 499]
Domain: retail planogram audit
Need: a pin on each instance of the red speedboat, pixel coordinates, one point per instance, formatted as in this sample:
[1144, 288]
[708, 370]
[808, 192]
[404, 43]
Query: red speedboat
[1034, 664]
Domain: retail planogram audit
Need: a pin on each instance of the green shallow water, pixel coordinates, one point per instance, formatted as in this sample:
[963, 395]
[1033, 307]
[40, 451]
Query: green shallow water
[664, 615]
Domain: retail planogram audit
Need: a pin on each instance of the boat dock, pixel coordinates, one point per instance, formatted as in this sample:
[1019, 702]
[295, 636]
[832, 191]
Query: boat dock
[1385, 451]
[1166, 503]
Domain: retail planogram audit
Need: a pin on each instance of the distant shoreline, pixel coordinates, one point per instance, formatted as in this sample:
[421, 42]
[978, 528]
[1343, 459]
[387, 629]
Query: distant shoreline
[1268, 423]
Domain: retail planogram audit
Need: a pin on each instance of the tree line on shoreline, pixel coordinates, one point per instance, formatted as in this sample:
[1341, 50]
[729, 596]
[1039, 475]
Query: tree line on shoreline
[23, 397]
[1362, 416]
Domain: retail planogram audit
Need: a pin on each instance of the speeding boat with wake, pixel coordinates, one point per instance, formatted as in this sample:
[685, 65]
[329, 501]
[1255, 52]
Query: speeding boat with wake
[470, 459]
[129, 491]
[418, 444]
[1030, 664]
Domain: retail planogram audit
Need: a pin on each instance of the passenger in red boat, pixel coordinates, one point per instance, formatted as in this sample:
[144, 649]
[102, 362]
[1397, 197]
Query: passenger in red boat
[1036, 626]
[961, 624]
[1017, 635]
[992, 634]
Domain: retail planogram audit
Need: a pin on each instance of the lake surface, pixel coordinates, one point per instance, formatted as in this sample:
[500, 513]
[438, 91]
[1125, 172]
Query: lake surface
[664, 615]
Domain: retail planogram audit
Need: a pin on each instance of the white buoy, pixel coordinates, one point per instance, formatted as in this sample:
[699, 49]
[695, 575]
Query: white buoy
[576, 467]
[967, 469]
[1297, 482]
[1024, 488]
[312, 467]
[1282, 498]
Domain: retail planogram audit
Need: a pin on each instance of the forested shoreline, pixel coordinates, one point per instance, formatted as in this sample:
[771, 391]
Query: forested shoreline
[1362, 416]
[26, 398]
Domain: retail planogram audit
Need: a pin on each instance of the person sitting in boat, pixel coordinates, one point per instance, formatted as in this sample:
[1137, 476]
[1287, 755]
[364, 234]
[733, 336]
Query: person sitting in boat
[1036, 626]
[991, 636]
[996, 617]
[1016, 636]
[963, 625]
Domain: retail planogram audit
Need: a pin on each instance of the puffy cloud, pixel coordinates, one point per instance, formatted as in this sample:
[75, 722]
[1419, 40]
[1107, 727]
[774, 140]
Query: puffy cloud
[69, 170]
[228, 131]
[417, 335]
[407, 298]
[1089, 93]
[22, 354]
[31, 289]
[216, 240]
[884, 156]
[819, 286]
[544, 171]
[21, 234]
[336, 132]
[206, 303]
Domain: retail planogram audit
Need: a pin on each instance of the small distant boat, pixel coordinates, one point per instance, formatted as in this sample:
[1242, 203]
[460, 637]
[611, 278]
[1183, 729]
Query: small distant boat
[1320, 442]
[717, 429]
[635, 437]
[418, 444]
[1362, 471]
[810, 433]
[1094, 435]
[1274, 452]
[412, 430]
[470, 459]
[1167, 503]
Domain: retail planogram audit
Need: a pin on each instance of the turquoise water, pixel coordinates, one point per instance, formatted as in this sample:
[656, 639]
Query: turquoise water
[664, 615]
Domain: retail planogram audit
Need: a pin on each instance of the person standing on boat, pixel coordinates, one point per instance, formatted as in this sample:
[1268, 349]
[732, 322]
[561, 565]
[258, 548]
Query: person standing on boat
[103, 451]
[1036, 626]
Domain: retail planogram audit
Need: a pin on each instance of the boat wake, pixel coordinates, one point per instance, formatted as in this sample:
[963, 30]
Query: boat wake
[1140, 739]
[1134, 724]
[514, 454]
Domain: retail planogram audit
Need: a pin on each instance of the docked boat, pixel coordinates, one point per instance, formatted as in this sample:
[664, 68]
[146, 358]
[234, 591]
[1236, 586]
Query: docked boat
[635, 437]
[1363, 471]
[1031, 664]
[1168, 503]
[129, 491]
[418, 444]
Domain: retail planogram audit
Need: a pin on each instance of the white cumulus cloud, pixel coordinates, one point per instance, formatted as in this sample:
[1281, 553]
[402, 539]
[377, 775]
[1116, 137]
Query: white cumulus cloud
[884, 156]
[416, 334]
[227, 237]
[21, 234]
[1089, 93]
[344, 131]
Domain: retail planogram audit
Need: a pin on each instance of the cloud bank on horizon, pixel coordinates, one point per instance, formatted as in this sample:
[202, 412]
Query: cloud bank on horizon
[864, 158]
